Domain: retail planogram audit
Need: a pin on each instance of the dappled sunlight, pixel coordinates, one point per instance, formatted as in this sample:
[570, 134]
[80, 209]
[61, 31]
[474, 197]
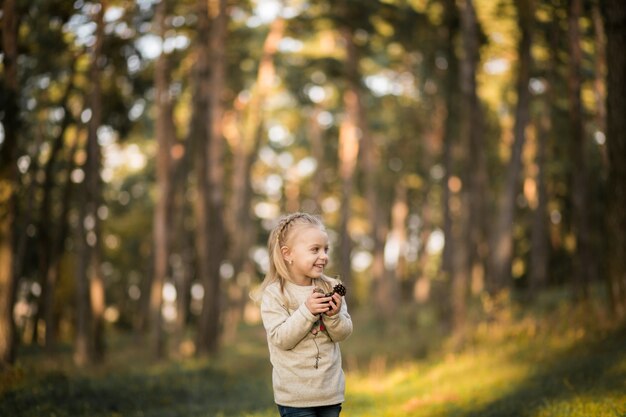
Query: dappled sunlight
[460, 154]
[473, 382]
[498, 377]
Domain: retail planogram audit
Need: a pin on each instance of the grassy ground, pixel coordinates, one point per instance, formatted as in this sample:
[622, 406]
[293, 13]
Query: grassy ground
[561, 362]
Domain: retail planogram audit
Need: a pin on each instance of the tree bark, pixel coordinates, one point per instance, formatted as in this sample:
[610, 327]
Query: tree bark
[614, 12]
[94, 183]
[317, 151]
[181, 238]
[599, 82]
[584, 265]
[165, 136]
[540, 249]
[8, 180]
[501, 245]
[451, 128]
[348, 151]
[466, 231]
[90, 283]
[54, 266]
[198, 135]
[398, 234]
[476, 174]
[450, 81]
[209, 323]
[83, 345]
[538, 275]
[47, 251]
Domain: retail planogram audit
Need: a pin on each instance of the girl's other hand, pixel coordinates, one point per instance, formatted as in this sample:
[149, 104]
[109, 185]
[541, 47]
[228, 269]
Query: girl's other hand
[335, 305]
[317, 303]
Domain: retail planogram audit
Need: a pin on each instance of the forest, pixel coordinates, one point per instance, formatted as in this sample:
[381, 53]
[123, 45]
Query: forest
[468, 158]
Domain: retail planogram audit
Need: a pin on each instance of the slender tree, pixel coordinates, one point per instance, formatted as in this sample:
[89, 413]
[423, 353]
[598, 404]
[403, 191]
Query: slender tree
[475, 176]
[544, 128]
[198, 134]
[89, 346]
[55, 266]
[317, 151]
[539, 255]
[466, 232]
[584, 263]
[449, 82]
[8, 178]
[348, 151]
[614, 12]
[209, 323]
[165, 137]
[501, 244]
[47, 251]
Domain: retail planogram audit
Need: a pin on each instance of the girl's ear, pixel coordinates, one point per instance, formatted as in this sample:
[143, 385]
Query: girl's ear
[284, 250]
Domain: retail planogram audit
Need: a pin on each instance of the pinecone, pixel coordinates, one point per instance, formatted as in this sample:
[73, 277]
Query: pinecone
[339, 289]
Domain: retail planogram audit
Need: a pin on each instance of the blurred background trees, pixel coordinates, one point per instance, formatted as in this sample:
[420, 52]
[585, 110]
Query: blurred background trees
[456, 150]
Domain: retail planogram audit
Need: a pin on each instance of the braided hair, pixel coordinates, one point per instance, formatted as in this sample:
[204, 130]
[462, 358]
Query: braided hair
[279, 238]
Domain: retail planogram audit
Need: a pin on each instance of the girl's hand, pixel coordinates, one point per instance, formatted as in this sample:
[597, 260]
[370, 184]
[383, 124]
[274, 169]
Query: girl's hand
[317, 303]
[335, 305]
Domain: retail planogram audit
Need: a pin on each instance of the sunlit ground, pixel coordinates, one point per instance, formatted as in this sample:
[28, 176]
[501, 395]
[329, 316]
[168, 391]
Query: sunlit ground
[566, 363]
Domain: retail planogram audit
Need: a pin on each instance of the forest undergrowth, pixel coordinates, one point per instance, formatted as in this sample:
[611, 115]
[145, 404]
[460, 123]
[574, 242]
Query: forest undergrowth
[550, 360]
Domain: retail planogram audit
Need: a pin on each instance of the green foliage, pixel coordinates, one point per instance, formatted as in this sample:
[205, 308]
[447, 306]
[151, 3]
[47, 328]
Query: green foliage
[549, 360]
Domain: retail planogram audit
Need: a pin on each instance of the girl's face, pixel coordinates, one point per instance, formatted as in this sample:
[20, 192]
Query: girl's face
[307, 254]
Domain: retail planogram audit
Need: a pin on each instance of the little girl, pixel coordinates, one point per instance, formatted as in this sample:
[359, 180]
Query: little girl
[303, 325]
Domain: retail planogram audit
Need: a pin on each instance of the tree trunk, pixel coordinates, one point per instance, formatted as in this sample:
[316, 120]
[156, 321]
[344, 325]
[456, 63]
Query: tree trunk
[475, 176]
[83, 346]
[466, 233]
[317, 151]
[90, 288]
[22, 240]
[419, 285]
[449, 81]
[348, 151]
[584, 265]
[615, 26]
[209, 323]
[181, 238]
[538, 275]
[540, 249]
[396, 263]
[198, 135]
[501, 245]
[54, 266]
[45, 229]
[165, 136]
[94, 183]
[245, 146]
[451, 128]
[599, 82]
[8, 180]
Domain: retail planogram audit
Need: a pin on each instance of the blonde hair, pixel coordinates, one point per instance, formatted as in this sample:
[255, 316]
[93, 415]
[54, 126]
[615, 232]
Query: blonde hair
[279, 237]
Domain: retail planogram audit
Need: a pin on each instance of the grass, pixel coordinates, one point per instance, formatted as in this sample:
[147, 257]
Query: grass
[563, 361]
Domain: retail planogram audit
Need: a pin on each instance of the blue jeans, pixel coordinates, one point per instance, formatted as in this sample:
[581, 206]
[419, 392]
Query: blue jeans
[323, 411]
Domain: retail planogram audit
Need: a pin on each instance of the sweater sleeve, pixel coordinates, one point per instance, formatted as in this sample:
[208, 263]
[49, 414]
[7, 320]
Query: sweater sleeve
[284, 330]
[339, 326]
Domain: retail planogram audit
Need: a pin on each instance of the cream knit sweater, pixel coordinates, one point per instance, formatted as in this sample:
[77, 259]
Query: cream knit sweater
[297, 345]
